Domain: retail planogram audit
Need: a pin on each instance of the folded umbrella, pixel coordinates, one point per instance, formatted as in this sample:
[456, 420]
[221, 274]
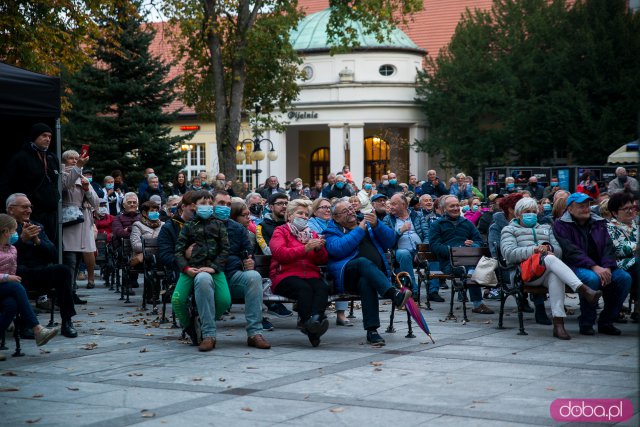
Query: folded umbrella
[412, 307]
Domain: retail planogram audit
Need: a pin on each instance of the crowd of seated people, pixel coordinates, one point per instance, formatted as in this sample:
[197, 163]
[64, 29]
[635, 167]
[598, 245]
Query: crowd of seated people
[208, 240]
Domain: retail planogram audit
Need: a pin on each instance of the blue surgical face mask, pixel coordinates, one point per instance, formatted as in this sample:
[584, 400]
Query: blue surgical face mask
[465, 209]
[90, 179]
[475, 208]
[393, 181]
[510, 185]
[13, 238]
[529, 219]
[154, 216]
[109, 186]
[554, 184]
[546, 207]
[368, 187]
[223, 212]
[340, 185]
[204, 211]
[173, 210]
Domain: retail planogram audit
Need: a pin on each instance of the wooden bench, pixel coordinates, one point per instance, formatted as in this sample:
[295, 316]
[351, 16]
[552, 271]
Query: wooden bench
[462, 259]
[425, 257]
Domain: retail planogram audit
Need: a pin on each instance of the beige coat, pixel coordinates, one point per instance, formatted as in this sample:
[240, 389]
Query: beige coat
[79, 237]
[140, 231]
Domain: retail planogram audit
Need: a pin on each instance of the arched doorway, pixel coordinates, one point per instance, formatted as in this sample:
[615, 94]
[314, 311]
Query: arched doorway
[376, 157]
[320, 164]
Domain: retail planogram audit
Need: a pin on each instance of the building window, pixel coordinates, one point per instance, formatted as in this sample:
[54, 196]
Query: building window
[387, 70]
[194, 159]
[376, 157]
[307, 71]
[320, 167]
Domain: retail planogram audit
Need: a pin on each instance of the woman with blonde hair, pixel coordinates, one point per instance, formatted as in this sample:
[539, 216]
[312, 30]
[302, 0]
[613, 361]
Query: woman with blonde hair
[296, 254]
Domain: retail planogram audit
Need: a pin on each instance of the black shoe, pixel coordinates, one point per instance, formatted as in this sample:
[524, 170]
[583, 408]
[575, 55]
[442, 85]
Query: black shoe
[27, 334]
[266, 325]
[634, 317]
[77, 300]
[317, 325]
[314, 339]
[621, 319]
[541, 315]
[587, 330]
[190, 331]
[526, 308]
[400, 299]
[609, 330]
[374, 338]
[444, 285]
[130, 292]
[279, 310]
[68, 330]
[435, 296]
[91, 285]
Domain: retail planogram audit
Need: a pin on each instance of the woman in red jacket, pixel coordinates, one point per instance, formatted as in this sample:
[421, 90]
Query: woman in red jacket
[296, 253]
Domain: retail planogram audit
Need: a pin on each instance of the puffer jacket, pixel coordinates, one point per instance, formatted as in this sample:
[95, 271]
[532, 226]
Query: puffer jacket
[212, 244]
[141, 231]
[289, 258]
[518, 242]
[419, 224]
[343, 245]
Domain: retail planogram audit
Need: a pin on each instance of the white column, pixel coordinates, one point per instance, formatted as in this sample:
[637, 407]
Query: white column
[418, 161]
[356, 143]
[279, 166]
[336, 146]
[293, 155]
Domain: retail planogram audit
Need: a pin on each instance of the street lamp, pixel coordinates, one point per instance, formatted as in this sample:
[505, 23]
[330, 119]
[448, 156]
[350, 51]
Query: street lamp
[255, 153]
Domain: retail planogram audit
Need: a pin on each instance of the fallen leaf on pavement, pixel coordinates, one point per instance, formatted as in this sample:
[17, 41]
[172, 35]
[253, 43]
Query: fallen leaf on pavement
[221, 380]
[247, 409]
[33, 421]
[89, 346]
[38, 395]
[377, 363]
[336, 410]
[73, 388]
[377, 369]
[148, 335]
[146, 414]
[196, 379]
[550, 388]
[92, 313]
[251, 367]
[136, 374]
[143, 350]
[9, 389]
[478, 401]
[9, 374]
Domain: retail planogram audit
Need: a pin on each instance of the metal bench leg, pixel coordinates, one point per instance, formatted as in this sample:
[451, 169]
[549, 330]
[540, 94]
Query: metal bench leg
[464, 303]
[451, 316]
[16, 337]
[3, 341]
[519, 298]
[351, 315]
[391, 329]
[410, 331]
[503, 299]
[52, 322]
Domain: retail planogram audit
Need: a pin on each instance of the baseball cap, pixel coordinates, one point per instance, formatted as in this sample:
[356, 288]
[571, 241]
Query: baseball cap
[578, 198]
[378, 196]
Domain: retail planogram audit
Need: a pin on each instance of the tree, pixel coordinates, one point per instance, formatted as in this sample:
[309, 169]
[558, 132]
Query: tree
[236, 55]
[532, 80]
[118, 102]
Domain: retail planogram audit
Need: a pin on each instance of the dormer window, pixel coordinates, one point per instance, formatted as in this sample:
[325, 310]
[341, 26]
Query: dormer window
[387, 70]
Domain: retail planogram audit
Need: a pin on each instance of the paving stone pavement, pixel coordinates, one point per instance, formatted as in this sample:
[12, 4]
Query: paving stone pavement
[126, 369]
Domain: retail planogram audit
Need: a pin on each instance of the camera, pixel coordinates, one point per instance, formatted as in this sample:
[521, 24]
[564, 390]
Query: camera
[359, 216]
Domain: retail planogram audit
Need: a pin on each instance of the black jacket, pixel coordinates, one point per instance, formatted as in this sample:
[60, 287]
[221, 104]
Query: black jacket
[167, 239]
[389, 190]
[26, 174]
[32, 257]
[339, 192]
[239, 248]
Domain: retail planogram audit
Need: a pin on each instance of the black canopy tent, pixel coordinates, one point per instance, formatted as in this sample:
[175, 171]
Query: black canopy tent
[27, 98]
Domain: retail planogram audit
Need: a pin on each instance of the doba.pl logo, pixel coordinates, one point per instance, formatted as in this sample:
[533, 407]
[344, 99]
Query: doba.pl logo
[591, 410]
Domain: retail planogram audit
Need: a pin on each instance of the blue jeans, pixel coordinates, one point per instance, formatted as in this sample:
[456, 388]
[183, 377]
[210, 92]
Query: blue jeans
[14, 300]
[363, 277]
[405, 262]
[434, 284]
[205, 289]
[248, 285]
[613, 294]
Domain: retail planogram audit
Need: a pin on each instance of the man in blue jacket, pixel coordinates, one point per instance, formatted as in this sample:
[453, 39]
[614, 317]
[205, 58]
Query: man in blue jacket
[588, 250]
[454, 230]
[358, 264]
[411, 229]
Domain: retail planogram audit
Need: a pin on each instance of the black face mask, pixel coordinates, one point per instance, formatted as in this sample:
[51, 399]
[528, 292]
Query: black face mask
[256, 210]
[622, 179]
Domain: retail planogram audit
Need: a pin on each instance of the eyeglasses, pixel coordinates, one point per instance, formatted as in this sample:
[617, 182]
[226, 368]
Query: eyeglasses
[323, 208]
[346, 211]
[23, 206]
[630, 209]
[281, 203]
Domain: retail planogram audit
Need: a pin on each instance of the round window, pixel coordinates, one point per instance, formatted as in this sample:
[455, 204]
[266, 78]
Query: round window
[307, 72]
[387, 70]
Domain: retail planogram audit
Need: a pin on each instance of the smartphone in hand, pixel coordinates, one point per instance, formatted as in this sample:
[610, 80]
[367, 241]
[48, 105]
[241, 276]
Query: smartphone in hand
[84, 151]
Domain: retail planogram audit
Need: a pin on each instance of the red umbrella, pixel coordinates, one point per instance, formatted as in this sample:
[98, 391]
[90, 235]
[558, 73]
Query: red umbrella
[403, 282]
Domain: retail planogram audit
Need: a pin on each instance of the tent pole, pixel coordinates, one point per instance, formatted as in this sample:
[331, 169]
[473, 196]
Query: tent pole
[59, 219]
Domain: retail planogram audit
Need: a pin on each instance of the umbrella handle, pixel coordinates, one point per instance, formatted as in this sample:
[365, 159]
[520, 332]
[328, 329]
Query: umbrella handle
[399, 282]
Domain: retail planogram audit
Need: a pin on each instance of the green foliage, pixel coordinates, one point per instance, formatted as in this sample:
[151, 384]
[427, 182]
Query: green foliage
[118, 103]
[533, 79]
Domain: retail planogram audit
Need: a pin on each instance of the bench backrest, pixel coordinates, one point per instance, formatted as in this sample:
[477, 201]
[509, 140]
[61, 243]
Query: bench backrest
[467, 257]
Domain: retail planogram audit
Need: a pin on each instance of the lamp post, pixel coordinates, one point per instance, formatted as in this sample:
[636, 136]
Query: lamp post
[187, 148]
[255, 154]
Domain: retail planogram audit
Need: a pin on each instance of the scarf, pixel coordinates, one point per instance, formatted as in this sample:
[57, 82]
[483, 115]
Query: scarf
[151, 224]
[303, 236]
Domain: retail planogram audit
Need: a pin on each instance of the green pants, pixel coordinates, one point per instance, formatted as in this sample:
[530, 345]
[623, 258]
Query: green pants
[183, 289]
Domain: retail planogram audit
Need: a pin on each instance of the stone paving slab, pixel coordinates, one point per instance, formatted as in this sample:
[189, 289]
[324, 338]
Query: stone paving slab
[142, 373]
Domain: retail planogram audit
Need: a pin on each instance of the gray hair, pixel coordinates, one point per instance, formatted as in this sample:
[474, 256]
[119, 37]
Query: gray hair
[152, 176]
[130, 195]
[12, 199]
[525, 203]
[250, 195]
[174, 197]
[107, 178]
[336, 202]
[69, 153]
[295, 204]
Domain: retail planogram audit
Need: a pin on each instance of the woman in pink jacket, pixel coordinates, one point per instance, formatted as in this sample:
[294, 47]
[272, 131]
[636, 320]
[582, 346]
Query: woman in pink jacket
[296, 253]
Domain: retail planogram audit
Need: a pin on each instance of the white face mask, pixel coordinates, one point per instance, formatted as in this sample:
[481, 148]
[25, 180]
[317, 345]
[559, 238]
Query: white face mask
[299, 187]
[103, 210]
